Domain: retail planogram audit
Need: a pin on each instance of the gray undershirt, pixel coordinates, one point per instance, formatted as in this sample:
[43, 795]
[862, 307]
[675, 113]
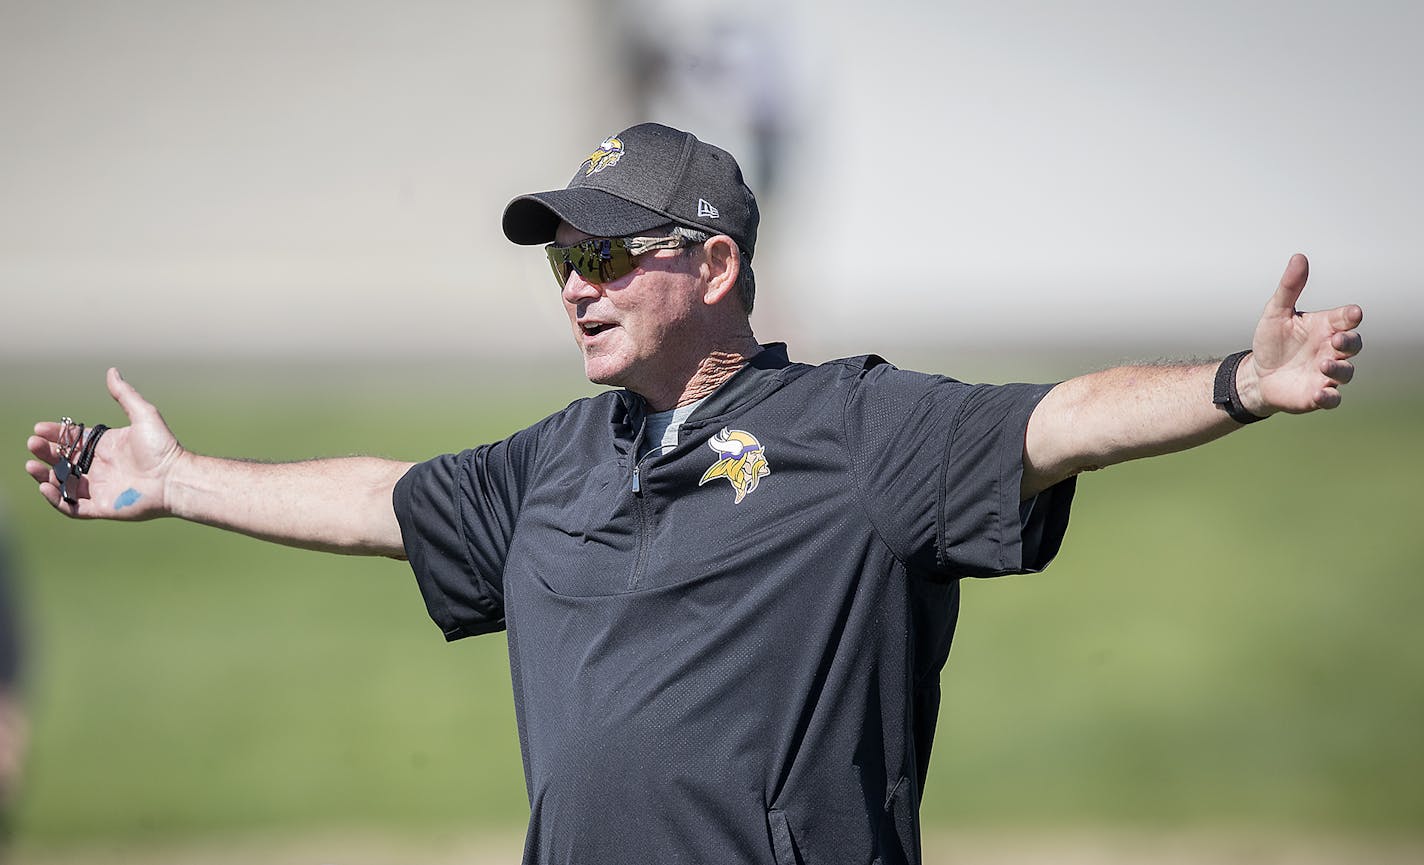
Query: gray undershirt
[663, 427]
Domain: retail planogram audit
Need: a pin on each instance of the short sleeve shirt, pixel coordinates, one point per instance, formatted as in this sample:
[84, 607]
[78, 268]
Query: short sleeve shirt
[730, 650]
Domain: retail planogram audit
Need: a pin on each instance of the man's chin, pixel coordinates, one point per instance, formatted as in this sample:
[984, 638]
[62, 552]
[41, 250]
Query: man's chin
[600, 371]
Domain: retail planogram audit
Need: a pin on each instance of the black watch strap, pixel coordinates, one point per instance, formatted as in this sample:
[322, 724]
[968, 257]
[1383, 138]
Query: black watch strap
[1224, 392]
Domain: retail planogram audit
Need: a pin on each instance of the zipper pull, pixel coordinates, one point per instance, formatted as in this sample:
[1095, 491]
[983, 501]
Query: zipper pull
[637, 483]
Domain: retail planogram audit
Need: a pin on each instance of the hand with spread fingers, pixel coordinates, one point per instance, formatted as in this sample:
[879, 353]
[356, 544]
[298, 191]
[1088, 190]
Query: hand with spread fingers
[120, 475]
[1297, 363]
[1299, 359]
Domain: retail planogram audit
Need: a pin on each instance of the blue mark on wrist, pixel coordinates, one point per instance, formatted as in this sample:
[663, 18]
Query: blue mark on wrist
[126, 498]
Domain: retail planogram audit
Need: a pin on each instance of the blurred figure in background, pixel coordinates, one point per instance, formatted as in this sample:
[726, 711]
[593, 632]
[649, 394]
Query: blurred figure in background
[721, 68]
[13, 726]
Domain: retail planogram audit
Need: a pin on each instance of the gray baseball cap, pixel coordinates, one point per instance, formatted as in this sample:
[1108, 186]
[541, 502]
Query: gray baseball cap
[644, 177]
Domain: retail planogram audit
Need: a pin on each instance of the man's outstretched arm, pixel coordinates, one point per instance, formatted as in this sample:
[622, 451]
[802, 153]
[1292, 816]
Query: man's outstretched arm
[141, 472]
[1297, 364]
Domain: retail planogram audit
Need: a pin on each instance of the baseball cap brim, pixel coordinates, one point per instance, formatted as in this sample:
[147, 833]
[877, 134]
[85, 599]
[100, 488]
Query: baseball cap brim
[534, 218]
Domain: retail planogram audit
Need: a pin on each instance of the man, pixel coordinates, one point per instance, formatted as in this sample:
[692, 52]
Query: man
[730, 585]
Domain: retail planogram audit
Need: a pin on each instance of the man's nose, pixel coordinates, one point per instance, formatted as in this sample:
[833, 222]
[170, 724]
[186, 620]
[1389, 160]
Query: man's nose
[577, 289]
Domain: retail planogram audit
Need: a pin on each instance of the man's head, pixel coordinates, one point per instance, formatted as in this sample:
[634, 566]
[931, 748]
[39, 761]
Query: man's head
[652, 243]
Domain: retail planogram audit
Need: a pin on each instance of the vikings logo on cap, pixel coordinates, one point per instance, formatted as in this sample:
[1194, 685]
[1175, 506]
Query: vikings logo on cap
[741, 461]
[606, 156]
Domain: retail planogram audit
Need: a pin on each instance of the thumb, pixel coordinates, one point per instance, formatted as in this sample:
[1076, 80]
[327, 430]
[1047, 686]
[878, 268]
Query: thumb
[1282, 303]
[134, 405]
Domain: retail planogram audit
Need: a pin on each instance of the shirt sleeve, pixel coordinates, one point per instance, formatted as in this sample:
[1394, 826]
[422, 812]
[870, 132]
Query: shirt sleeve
[457, 514]
[941, 463]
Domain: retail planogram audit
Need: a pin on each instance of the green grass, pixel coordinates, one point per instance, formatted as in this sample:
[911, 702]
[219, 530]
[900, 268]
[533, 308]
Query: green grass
[1228, 639]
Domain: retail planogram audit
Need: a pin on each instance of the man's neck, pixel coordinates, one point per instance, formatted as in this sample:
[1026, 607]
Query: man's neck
[712, 372]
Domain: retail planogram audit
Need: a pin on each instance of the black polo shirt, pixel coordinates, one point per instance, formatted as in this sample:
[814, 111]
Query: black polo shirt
[730, 651]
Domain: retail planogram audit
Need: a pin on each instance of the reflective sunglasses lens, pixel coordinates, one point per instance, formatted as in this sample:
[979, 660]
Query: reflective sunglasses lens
[559, 263]
[597, 260]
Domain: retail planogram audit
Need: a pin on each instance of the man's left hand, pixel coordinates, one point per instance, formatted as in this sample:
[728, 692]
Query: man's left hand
[1299, 359]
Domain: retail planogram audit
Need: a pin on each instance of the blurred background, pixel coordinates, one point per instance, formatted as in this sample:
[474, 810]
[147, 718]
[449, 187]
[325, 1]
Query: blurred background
[281, 221]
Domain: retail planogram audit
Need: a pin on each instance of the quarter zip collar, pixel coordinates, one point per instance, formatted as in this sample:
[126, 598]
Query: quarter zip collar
[762, 371]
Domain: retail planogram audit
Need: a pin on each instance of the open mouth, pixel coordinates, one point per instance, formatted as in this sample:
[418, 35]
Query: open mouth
[593, 328]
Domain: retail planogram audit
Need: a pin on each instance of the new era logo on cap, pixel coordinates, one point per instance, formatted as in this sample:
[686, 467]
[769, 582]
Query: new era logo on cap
[705, 210]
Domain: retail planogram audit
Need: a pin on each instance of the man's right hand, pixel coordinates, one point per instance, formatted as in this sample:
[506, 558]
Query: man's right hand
[128, 477]
[140, 471]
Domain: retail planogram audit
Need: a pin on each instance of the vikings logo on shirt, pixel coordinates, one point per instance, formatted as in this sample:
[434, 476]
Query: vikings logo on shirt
[606, 156]
[742, 461]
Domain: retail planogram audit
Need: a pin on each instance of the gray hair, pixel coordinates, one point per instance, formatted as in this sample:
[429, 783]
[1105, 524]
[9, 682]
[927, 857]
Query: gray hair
[746, 280]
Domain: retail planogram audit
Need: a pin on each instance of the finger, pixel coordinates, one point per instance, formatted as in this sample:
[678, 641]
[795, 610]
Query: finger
[1347, 344]
[38, 470]
[1327, 397]
[50, 489]
[134, 405]
[51, 494]
[1345, 317]
[49, 429]
[42, 448]
[1291, 285]
[1338, 371]
[43, 472]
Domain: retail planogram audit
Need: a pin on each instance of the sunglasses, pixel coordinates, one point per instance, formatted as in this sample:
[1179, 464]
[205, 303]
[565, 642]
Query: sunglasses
[604, 259]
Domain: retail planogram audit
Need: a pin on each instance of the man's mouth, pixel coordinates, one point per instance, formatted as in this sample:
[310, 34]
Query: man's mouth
[593, 328]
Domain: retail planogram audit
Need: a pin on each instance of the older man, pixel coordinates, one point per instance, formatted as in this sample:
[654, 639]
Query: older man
[730, 584]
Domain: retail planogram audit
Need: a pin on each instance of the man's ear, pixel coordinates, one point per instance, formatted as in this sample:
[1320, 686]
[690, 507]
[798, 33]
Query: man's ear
[721, 265]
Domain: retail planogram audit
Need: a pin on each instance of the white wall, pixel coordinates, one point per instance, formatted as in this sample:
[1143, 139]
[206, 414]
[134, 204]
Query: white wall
[327, 177]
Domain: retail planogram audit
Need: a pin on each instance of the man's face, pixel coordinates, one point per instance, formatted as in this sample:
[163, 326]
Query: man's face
[633, 331]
